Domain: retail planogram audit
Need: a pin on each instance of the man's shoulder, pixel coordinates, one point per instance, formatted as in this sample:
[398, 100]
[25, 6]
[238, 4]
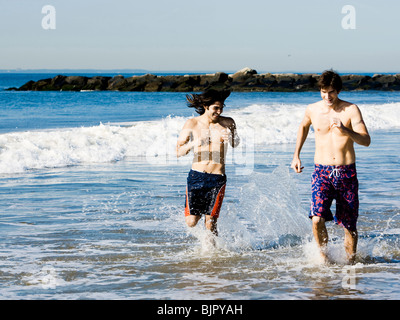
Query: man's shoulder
[194, 120]
[349, 106]
[313, 108]
[315, 105]
[191, 123]
[347, 103]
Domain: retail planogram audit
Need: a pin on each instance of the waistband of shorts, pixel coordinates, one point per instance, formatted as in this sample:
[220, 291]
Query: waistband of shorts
[330, 167]
[206, 173]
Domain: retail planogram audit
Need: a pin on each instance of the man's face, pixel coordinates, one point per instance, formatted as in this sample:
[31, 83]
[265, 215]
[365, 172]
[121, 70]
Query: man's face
[329, 96]
[215, 110]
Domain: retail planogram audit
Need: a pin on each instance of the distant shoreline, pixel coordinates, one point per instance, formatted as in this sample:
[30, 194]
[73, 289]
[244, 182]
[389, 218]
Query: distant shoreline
[162, 72]
[244, 80]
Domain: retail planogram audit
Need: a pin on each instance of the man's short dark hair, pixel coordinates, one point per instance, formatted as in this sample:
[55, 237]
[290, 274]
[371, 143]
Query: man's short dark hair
[206, 99]
[330, 79]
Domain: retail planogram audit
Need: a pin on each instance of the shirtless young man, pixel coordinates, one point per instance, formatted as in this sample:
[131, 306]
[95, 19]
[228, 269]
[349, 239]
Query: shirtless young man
[337, 125]
[208, 136]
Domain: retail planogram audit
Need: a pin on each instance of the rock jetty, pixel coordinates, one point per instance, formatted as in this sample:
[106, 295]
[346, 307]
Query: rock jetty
[245, 80]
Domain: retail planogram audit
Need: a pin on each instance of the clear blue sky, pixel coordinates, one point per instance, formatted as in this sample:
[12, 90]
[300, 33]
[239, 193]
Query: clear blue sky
[209, 35]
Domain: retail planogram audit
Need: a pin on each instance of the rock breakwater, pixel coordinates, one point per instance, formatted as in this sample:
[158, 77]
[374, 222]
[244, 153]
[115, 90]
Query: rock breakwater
[245, 80]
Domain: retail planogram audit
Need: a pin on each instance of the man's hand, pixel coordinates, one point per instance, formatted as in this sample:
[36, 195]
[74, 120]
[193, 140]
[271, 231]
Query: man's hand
[337, 123]
[296, 165]
[226, 135]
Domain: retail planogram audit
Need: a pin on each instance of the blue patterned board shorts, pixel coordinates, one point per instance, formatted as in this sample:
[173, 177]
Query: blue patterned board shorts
[339, 183]
[204, 193]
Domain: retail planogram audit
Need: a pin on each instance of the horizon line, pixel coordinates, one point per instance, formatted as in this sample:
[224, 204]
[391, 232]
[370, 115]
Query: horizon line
[128, 70]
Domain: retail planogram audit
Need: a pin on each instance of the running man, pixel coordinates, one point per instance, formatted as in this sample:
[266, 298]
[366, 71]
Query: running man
[208, 136]
[337, 125]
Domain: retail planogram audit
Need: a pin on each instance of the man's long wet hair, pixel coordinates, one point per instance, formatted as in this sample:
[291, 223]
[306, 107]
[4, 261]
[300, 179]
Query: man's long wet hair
[206, 99]
[330, 78]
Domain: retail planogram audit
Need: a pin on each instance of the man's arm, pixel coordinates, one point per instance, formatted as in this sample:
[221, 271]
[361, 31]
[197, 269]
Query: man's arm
[302, 134]
[234, 139]
[184, 145]
[359, 133]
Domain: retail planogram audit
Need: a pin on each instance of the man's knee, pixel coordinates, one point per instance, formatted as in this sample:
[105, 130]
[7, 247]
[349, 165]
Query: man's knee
[351, 233]
[191, 220]
[211, 222]
[318, 222]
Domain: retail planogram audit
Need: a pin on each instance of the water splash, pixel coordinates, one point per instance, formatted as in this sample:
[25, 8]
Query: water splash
[266, 213]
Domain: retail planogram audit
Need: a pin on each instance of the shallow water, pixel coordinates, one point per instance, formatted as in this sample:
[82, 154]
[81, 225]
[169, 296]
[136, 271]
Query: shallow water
[116, 231]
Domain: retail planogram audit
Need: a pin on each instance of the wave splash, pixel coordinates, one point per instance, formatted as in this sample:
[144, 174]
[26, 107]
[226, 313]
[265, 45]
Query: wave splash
[257, 125]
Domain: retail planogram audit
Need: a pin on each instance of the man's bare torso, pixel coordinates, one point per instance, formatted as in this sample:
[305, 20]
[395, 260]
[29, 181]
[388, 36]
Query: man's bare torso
[209, 154]
[331, 146]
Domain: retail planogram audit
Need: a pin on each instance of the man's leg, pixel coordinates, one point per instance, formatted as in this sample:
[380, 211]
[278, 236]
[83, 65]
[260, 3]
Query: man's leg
[211, 224]
[347, 205]
[191, 220]
[350, 244]
[320, 235]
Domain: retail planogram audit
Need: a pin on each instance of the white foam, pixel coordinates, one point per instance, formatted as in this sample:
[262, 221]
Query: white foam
[268, 213]
[381, 116]
[257, 125]
[269, 124]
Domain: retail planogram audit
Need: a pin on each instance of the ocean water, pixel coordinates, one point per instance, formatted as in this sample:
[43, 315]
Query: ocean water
[92, 198]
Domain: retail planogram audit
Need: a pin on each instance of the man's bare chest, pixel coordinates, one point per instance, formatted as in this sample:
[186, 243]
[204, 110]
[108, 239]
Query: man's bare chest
[212, 131]
[322, 122]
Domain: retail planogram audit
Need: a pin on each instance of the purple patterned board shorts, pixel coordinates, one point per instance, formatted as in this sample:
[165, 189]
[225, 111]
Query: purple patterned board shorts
[339, 183]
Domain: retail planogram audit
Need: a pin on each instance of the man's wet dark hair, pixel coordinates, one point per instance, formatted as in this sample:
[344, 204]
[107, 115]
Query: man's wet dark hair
[330, 78]
[206, 99]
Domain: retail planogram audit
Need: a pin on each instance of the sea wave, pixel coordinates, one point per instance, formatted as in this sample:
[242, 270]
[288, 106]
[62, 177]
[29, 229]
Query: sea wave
[257, 125]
